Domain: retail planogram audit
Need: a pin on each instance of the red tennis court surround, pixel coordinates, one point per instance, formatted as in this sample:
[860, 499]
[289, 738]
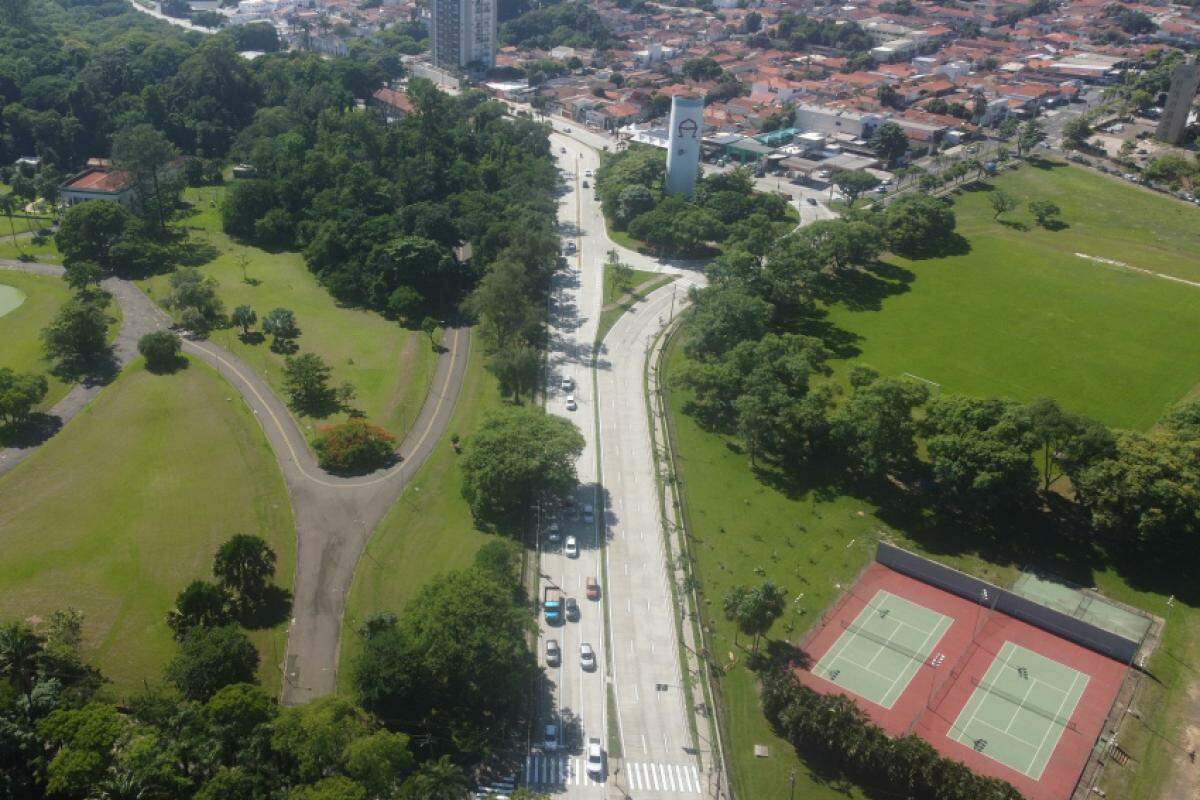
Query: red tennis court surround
[945, 680]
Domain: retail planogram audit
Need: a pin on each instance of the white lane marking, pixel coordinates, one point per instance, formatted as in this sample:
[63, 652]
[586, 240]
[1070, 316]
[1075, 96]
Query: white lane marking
[670, 775]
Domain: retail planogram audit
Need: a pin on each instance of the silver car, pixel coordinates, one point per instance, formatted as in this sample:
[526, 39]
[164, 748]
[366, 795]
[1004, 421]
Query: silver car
[587, 657]
[595, 757]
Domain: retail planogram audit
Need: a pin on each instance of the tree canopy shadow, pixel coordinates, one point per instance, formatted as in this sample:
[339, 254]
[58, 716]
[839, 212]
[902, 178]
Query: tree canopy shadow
[37, 428]
[267, 611]
[954, 244]
[865, 289]
[1014, 224]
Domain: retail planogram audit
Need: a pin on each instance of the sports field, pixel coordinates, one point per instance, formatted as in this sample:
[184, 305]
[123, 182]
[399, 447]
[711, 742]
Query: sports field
[1021, 315]
[878, 653]
[1004, 697]
[1020, 709]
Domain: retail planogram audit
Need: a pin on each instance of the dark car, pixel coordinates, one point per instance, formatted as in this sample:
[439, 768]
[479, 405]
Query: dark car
[572, 609]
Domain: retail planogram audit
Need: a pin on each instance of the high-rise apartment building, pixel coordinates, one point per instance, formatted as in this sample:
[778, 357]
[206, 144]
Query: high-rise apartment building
[1185, 80]
[464, 34]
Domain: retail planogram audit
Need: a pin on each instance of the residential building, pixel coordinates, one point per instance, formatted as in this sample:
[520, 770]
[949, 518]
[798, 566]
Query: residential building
[463, 34]
[111, 186]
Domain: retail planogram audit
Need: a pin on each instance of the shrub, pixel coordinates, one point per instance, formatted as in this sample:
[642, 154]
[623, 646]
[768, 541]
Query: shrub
[161, 351]
[354, 446]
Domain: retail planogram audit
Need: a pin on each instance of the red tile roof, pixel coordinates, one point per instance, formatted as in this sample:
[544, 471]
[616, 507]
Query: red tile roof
[95, 180]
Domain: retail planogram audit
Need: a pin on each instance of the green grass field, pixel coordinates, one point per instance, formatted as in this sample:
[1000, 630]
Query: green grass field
[642, 282]
[389, 366]
[428, 531]
[128, 503]
[1021, 316]
[20, 329]
[1018, 316]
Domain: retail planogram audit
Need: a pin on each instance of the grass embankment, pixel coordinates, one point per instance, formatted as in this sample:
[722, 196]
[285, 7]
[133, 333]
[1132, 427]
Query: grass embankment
[428, 531]
[389, 366]
[21, 328]
[1020, 315]
[129, 503]
[619, 299]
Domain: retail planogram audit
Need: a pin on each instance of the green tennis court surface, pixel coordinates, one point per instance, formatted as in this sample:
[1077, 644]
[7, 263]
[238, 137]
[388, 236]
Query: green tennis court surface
[879, 653]
[1019, 709]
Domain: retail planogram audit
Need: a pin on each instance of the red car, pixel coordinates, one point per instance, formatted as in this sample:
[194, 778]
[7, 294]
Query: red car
[593, 589]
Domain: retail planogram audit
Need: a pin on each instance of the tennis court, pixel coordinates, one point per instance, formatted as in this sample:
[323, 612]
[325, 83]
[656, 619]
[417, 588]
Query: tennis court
[1019, 709]
[878, 653]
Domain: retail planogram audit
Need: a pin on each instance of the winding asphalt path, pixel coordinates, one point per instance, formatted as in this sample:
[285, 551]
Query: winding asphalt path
[334, 516]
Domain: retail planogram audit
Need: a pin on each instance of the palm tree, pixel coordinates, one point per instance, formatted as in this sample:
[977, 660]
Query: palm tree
[20, 649]
[437, 780]
[119, 785]
[8, 202]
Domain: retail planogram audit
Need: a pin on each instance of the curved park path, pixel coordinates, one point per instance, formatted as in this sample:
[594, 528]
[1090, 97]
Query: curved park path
[334, 516]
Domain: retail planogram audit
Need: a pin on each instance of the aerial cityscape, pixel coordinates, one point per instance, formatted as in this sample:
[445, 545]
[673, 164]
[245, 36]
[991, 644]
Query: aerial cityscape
[615, 400]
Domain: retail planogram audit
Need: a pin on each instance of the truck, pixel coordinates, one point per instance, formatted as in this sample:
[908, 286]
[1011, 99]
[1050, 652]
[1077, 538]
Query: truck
[552, 604]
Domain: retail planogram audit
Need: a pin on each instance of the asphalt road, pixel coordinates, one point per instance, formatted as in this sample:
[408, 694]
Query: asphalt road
[334, 516]
[650, 723]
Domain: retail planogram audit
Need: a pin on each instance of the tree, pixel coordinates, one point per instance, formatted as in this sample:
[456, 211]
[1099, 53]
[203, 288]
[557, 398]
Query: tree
[90, 230]
[918, 224]
[1031, 135]
[456, 662]
[306, 382]
[77, 338]
[19, 393]
[335, 787]
[1076, 132]
[1069, 442]
[354, 447]
[146, 154]
[436, 780]
[875, 426]
[753, 22]
[161, 350]
[245, 565]
[1045, 212]
[281, 324]
[724, 315]
[841, 244]
[517, 368]
[889, 142]
[20, 649]
[854, 182]
[211, 658]
[312, 738]
[200, 604]
[191, 288]
[754, 611]
[10, 204]
[516, 455]
[244, 317]
[81, 275]
[622, 273]
[1002, 202]
[379, 762]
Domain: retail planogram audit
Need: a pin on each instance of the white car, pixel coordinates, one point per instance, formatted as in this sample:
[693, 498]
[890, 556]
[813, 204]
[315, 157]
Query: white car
[587, 174]
[551, 740]
[572, 548]
[595, 757]
[571, 406]
[587, 657]
[568, 383]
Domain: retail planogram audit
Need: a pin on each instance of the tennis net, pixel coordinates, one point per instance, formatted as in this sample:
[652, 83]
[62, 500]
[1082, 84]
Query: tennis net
[1016, 701]
[883, 640]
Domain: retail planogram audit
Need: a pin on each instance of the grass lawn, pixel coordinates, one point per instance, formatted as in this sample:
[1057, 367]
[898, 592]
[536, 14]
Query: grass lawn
[1021, 316]
[389, 366]
[642, 281]
[20, 329]
[45, 252]
[128, 503]
[428, 531]
[745, 532]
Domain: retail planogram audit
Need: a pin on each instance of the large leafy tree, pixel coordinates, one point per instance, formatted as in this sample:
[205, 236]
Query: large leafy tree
[875, 426]
[19, 393]
[517, 455]
[90, 230]
[917, 224]
[854, 182]
[889, 142]
[200, 604]
[77, 338]
[211, 658]
[147, 155]
[245, 565]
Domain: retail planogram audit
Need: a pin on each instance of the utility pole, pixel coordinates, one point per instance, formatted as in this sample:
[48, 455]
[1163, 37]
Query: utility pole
[792, 785]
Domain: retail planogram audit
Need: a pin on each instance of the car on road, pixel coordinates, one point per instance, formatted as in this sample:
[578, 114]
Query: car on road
[572, 547]
[812, 201]
[585, 184]
[550, 741]
[587, 657]
[572, 610]
[562, 149]
[595, 757]
[589, 515]
[571, 405]
[568, 383]
[570, 248]
[552, 532]
[553, 653]
[593, 589]
[587, 174]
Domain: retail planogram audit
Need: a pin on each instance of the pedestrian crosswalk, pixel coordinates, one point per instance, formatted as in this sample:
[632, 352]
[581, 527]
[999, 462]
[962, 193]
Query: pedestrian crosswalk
[549, 771]
[681, 778]
[546, 770]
